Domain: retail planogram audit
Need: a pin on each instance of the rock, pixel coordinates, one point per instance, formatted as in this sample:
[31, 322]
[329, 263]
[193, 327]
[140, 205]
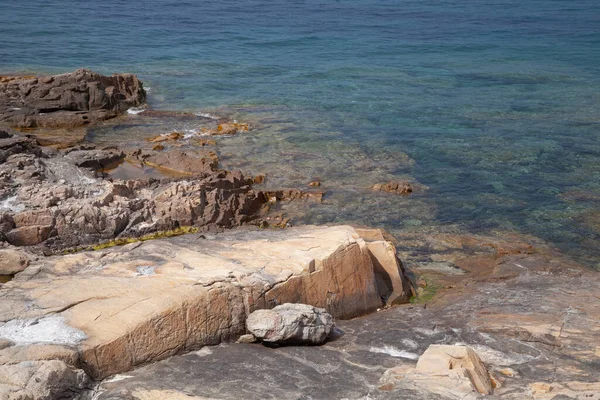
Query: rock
[227, 128]
[165, 395]
[314, 184]
[260, 178]
[18, 145]
[185, 163]
[41, 380]
[54, 199]
[173, 136]
[248, 338]
[291, 324]
[28, 235]
[179, 294]
[400, 187]
[394, 287]
[69, 100]
[95, 159]
[539, 286]
[442, 361]
[453, 372]
[12, 261]
[4, 343]
[288, 195]
[565, 390]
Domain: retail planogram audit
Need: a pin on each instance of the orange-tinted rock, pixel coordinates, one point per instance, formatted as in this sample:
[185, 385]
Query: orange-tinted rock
[396, 187]
[173, 136]
[260, 178]
[226, 128]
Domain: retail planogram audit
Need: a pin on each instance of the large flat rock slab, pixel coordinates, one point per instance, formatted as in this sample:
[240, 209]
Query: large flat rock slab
[531, 315]
[108, 311]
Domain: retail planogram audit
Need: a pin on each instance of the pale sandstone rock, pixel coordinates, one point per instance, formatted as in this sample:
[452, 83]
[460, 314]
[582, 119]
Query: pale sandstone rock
[165, 395]
[12, 261]
[140, 304]
[453, 372]
[291, 324]
[441, 360]
[41, 380]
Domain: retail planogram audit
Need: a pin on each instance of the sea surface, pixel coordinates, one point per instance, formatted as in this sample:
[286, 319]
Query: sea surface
[493, 106]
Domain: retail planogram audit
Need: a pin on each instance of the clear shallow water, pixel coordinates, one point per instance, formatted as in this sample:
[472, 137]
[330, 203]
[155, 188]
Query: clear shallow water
[497, 102]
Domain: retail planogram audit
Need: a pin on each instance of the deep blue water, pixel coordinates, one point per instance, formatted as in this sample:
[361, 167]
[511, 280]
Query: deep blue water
[497, 102]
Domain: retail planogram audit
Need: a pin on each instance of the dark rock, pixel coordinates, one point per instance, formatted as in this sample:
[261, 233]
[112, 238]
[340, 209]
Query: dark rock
[75, 99]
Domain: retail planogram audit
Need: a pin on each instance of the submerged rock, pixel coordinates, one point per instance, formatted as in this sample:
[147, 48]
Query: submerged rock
[291, 324]
[68, 100]
[402, 187]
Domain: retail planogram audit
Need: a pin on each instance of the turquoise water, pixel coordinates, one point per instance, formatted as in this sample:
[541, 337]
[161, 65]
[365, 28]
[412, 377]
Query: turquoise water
[496, 102]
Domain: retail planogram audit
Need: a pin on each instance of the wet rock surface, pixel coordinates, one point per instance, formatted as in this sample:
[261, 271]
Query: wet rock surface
[74, 99]
[529, 314]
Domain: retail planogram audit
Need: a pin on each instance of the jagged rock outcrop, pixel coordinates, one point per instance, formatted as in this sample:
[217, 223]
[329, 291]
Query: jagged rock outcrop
[54, 197]
[291, 324]
[111, 310]
[69, 100]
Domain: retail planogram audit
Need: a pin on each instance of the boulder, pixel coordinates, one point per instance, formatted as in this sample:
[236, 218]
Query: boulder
[453, 372]
[41, 380]
[291, 324]
[69, 100]
[12, 261]
[444, 361]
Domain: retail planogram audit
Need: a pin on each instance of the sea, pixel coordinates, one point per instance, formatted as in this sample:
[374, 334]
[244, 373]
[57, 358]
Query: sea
[491, 108]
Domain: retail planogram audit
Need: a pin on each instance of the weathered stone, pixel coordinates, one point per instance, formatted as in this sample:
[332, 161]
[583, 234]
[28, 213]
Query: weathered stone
[12, 261]
[41, 380]
[442, 361]
[523, 287]
[69, 100]
[248, 338]
[291, 324]
[179, 294]
[28, 235]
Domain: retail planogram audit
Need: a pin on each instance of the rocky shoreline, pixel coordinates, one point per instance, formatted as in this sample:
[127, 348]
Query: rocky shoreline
[105, 281]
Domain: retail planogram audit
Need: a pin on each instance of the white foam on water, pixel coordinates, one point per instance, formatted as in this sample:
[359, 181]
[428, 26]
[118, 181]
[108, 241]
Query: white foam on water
[135, 110]
[394, 352]
[206, 115]
[11, 204]
[47, 330]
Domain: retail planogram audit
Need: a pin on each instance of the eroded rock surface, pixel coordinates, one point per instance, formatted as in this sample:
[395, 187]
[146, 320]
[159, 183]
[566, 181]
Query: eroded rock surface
[59, 199]
[75, 99]
[531, 315]
[108, 311]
